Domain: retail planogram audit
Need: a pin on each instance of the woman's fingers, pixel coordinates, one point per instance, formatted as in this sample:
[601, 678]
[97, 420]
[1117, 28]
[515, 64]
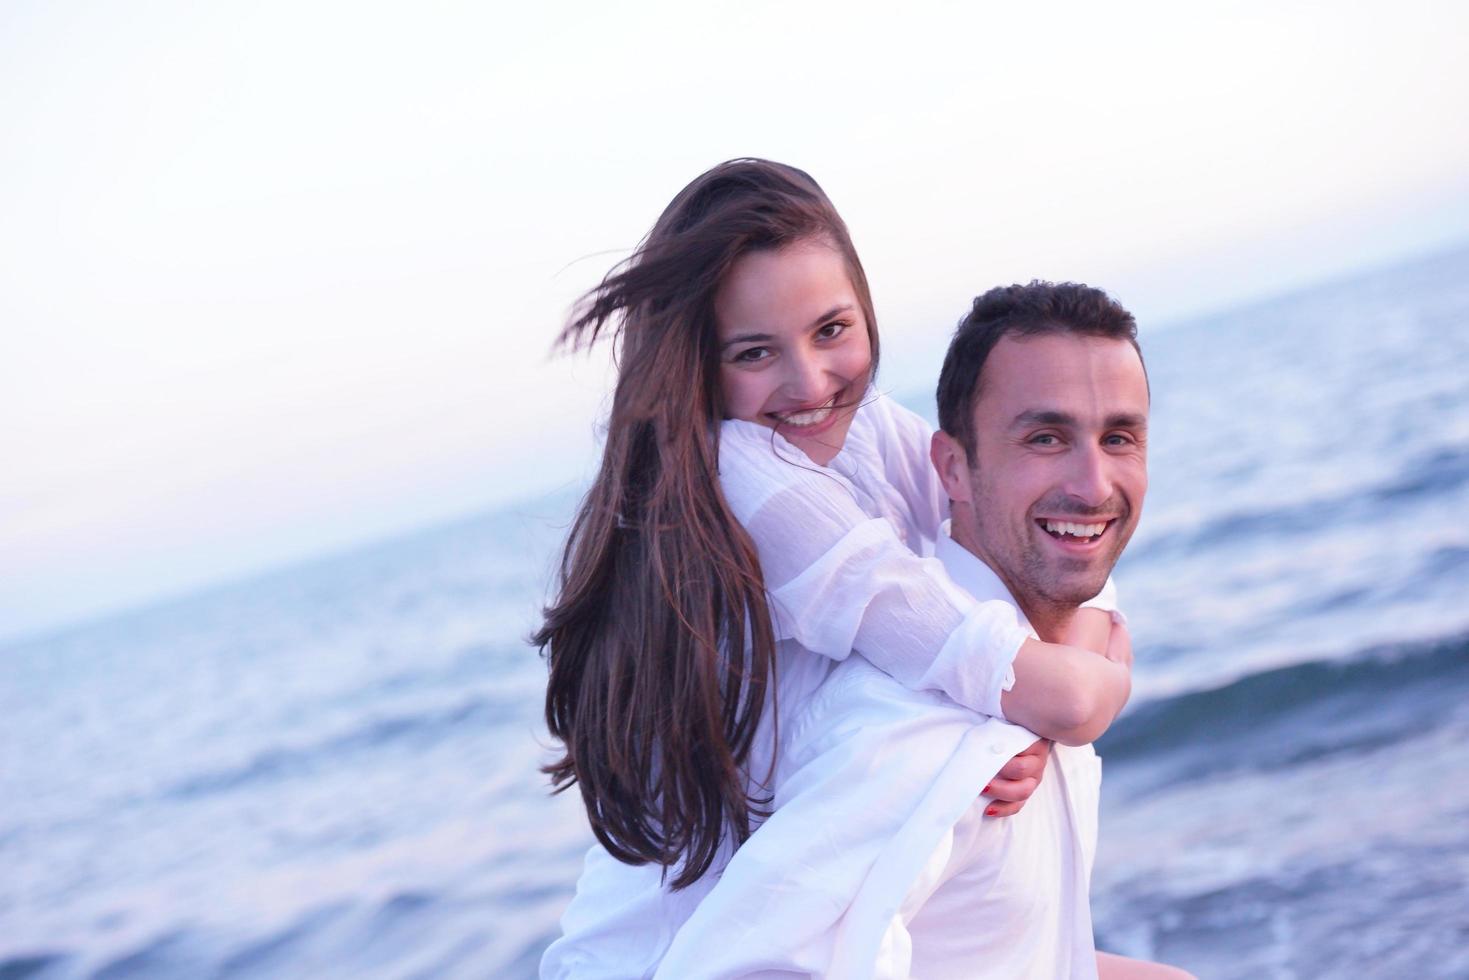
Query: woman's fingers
[1017, 780]
[1023, 766]
[1119, 645]
[998, 809]
[1011, 790]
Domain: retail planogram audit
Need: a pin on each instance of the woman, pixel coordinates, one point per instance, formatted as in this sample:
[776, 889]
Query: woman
[759, 514]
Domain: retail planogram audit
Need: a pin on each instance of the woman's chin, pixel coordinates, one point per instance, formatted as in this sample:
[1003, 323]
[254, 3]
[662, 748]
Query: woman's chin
[820, 443]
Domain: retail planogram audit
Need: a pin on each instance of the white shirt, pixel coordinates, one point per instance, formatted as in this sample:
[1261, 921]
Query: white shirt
[879, 863]
[1009, 897]
[841, 549]
[842, 553]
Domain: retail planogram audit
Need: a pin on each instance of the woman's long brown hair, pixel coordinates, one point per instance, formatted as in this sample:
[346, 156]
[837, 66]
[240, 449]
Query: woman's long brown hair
[659, 644]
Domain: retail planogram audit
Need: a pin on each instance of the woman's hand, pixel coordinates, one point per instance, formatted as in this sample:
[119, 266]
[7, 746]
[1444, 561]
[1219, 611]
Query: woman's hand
[1071, 691]
[1119, 646]
[1097, 631]
[1090, 629]
[1017, 780]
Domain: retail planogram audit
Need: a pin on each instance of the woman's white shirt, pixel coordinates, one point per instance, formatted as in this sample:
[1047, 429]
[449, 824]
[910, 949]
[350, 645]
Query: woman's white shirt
[846, 552]
[879, 863]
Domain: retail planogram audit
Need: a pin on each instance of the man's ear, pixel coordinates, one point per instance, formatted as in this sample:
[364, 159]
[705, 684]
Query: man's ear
[951, 463]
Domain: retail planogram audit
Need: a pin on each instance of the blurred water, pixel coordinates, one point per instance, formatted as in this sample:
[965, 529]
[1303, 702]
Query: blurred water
[1289, 795]
[331, 770]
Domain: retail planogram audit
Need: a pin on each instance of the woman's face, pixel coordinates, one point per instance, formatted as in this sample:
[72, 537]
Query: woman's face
[794, 351]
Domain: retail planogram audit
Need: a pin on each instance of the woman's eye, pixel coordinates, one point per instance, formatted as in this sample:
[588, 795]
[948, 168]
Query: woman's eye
[752, 354]
[830, 330]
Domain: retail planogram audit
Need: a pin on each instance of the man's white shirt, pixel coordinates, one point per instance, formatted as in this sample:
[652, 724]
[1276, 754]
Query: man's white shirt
[1025, 878]
[878, 861]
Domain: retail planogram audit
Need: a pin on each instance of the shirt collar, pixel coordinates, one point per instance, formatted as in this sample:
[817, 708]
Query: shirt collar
[971, 574]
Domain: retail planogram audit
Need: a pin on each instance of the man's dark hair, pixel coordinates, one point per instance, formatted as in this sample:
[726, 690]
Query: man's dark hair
[1037, 308]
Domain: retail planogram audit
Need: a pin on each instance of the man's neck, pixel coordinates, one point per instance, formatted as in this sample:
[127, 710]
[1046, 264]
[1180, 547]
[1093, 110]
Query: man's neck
[1051, 623]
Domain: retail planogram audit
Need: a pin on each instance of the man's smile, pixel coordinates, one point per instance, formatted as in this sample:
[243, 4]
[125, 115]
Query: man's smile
[1076, 536]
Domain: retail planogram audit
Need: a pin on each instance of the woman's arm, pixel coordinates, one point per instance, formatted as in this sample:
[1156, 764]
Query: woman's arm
[1068, 688]
[1056, 693]
[841, 580]
[1065, 693]
[1093, 630]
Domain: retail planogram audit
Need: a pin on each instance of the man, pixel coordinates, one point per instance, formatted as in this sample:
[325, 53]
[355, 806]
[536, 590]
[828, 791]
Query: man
[878, 861]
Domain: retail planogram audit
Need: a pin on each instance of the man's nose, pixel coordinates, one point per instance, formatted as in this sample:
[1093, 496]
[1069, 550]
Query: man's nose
[1089, 479]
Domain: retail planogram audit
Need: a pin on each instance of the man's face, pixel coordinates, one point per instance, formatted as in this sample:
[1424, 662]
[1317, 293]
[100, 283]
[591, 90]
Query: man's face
[1055, 487]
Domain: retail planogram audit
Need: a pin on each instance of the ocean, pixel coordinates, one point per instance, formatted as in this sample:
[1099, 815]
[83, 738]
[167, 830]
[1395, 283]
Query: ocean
[331, 770]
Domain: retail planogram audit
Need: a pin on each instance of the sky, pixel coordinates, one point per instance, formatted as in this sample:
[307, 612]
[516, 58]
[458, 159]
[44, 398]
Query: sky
[281, 278]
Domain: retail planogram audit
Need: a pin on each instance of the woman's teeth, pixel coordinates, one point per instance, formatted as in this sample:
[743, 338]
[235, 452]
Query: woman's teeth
[810, 416]
[1075, 530]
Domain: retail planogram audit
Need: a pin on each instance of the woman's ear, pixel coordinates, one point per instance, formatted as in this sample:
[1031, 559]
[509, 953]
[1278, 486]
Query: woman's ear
[951, 463]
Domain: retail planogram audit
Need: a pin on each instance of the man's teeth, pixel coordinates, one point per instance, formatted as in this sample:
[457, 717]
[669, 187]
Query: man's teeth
[1075, 530]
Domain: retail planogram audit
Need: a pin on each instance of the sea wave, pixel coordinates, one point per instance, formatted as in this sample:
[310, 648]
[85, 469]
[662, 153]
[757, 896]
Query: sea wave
[1438, 472]
[418, 728]
[28, 965]
[1285, 716]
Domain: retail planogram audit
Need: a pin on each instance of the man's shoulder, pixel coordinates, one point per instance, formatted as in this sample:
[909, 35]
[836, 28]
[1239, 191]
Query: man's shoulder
[892, 424]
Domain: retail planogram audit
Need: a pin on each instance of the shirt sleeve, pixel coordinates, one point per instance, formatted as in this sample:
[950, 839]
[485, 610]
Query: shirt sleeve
[619, 924]
[841, 580]
[871, 777]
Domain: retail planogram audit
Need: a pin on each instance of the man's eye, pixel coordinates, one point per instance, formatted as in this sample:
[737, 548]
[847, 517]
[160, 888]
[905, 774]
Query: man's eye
[1044, 439]
[1116, 439]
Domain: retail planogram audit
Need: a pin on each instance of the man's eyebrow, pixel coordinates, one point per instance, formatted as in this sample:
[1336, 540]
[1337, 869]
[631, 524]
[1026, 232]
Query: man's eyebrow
[1127, 420]
[1050, 416]
[1040, 416]
[822, 320]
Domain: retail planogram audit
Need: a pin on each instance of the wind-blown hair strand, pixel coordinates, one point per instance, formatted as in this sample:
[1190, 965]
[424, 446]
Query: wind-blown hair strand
[659, 644]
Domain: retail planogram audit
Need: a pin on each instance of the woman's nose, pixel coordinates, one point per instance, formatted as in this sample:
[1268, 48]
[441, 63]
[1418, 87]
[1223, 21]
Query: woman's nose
[804, 378]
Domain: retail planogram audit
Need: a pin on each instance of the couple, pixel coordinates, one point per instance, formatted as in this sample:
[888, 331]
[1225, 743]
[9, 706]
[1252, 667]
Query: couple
[801, 707]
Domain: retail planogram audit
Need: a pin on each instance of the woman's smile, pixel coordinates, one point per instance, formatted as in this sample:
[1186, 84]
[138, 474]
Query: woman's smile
[795, 354]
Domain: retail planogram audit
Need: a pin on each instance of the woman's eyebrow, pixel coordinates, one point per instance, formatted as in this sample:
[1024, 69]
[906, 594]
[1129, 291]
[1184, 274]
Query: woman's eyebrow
[822, 320]
[831, 314]
[746, 338]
